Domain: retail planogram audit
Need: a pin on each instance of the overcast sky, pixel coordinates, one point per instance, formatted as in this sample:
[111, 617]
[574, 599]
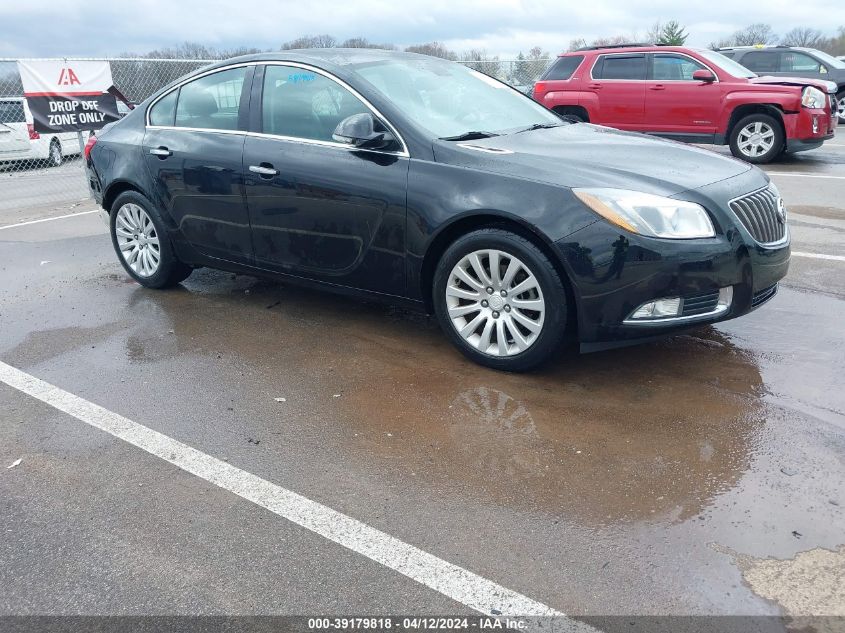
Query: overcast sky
[84, 27]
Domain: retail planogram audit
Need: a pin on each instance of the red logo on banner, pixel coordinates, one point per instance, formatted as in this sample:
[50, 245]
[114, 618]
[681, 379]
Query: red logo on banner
[68, 78]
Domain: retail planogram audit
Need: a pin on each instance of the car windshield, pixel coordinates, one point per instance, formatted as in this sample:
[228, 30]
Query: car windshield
[451, 100]
[830, 60]
[728, 65]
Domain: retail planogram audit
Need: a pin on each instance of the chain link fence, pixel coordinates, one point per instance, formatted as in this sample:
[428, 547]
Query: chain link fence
[45, 171]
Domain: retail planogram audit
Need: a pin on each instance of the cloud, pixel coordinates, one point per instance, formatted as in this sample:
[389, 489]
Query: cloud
[504, 27]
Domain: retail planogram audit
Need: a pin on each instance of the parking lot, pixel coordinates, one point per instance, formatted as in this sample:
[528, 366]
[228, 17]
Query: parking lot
[258, 448]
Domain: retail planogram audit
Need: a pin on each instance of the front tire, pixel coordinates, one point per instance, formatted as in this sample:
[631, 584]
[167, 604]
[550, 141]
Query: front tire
[140, 240]
[757, 138]
[840, 107]
[500, 300]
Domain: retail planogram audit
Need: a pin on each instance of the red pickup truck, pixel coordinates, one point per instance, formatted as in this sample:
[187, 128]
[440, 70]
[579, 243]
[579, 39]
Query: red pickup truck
[693, 95]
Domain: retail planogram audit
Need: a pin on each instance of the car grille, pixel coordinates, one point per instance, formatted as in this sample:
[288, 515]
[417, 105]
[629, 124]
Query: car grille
[758, 213]
[760, 297]
[700, 304]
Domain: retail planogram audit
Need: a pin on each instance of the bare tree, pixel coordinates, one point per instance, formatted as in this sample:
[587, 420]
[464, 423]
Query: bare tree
[652, 35]
[482, 62]
[435, 49]
[311, 41]
[575, 44]
[752, 34]
[803, 36]
[363, 42]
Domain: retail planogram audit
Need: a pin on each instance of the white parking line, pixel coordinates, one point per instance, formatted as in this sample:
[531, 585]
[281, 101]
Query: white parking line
[803, 175]
[450, 580]
[58, 217]
[838, 258]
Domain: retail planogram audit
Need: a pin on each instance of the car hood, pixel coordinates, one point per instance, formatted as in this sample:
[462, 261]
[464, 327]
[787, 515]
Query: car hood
[801, 82]
[585, 155]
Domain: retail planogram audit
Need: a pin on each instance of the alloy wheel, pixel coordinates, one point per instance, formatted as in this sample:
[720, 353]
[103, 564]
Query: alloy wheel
[840, 109]
[137, 239]
[756, 139]
[495, 302]
[55, 155]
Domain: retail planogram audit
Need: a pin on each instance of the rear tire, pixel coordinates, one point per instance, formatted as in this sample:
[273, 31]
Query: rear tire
[511, 314]
[840, 107]
[140, 240]
[757, 138]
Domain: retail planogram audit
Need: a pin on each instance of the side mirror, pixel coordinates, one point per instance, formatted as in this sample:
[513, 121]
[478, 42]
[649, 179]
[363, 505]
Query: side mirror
[703, 75]
[363, 131]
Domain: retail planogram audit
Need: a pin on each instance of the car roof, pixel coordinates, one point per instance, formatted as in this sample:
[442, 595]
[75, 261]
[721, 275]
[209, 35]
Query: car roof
[629, 48]
[763, 47]
[336, 56]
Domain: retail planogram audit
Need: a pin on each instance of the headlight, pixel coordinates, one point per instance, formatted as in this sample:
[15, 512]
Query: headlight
[646, 214]
[812, 98]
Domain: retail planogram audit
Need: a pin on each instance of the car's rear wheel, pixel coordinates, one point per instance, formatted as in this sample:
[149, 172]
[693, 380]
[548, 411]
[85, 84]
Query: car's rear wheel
[54, 158]
[500, 300]
[840, 107]
[141, 243]
[757, 138]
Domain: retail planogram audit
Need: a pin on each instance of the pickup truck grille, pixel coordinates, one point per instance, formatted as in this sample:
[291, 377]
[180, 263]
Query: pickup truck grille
[758, 213]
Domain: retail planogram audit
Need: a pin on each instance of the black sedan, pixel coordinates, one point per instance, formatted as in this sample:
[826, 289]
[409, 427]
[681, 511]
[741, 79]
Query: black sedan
[416, 180]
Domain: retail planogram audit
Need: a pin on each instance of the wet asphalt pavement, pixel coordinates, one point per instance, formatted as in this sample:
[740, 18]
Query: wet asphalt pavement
[704, 474]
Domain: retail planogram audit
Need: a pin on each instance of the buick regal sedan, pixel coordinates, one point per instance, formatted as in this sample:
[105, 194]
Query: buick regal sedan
[419, 181]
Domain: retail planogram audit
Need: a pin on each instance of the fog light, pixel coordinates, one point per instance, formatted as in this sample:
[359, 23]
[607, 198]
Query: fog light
[726, 296]
[659, 308]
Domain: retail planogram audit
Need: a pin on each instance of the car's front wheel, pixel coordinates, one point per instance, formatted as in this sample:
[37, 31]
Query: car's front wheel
[840, 107]
[141, 243]
[757, 138]
[500, 300]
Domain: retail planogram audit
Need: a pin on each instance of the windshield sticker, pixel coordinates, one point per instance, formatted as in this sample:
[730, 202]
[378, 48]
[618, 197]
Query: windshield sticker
[296, 78]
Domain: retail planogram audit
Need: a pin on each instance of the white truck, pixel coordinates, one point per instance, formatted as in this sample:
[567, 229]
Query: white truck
[20, 142]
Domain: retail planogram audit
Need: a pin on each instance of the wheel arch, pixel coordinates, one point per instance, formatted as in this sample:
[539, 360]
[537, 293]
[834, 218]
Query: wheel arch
[487, 219]
[115, 189]
[739, 112]
[577, 110]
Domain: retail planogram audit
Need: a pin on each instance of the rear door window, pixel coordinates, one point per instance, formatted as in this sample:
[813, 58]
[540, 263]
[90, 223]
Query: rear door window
[666, 67]
[631, 67]
[563, 68]
[795, 62]
[164, 110]
[761, 61]
[211, 102]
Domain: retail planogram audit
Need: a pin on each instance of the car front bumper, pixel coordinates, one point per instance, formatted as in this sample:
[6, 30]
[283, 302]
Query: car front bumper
[808, 128]
[614, 272]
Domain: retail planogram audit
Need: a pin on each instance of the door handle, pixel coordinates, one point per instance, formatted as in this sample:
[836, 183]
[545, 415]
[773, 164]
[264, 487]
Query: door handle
[161, 152]
[657, 87]
[265, 170]
[594, 86]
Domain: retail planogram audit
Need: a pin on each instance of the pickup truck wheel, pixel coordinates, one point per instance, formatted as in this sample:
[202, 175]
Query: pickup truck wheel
[757, 138]
[840, 107]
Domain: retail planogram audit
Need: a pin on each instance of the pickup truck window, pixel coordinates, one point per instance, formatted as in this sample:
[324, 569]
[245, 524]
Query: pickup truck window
[666, 67]
[631, 67]
[563, 68]
[762, 61]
